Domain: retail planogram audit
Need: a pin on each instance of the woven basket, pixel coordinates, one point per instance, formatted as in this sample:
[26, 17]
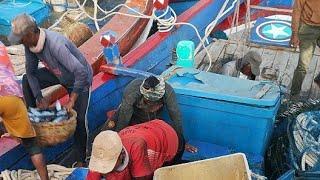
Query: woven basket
[50, 133]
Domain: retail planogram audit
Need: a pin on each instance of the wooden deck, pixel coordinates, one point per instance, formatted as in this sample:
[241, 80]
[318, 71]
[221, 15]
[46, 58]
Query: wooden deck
[283, 60]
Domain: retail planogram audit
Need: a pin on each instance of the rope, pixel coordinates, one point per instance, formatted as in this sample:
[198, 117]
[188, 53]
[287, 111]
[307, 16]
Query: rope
[223, 11]
[257, 176]
[164, 25]
[55, 172]
[235, 20]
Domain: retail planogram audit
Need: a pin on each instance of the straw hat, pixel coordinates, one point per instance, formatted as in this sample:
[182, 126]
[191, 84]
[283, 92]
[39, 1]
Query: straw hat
[106, 149]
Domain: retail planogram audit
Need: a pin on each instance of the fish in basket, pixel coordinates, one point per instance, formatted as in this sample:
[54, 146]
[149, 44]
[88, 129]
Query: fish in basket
[53, 125]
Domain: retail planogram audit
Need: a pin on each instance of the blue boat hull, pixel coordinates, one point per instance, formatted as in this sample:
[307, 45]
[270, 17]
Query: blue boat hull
[107, 95]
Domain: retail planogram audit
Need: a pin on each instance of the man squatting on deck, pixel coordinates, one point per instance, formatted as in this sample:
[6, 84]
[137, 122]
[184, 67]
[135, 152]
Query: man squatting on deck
[248, 65]
[133, 153]
[14, 113]
[64, 64]
[305, 33]
[144, 100]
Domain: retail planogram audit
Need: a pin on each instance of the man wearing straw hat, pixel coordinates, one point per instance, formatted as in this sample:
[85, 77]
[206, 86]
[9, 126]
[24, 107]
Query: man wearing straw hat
[133, 153]
[64, 64]
[14, 115]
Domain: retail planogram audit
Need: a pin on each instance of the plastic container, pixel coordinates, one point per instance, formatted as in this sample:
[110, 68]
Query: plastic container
[185, 54]
[78, 174]
[223, 110]
[208, 150]
[233, 167]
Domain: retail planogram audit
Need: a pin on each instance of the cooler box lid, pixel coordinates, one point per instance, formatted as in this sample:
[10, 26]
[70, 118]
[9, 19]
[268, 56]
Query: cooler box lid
[192, 82]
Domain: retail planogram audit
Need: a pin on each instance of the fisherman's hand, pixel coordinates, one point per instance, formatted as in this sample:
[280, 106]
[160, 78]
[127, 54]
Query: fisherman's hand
[190, 148]
[294, 41]
[69, 106]
[109, 125]
[72, 100]
[43, 103]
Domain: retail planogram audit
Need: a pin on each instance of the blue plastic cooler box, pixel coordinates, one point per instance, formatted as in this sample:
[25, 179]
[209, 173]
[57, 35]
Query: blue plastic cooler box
[223, 110]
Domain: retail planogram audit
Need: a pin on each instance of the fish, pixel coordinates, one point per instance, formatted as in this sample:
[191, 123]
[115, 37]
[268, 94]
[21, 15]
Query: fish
[55, 115]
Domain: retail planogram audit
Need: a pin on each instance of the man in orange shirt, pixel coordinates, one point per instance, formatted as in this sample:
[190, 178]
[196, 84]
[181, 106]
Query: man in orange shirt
[135, 153]
[305, 32]
[14, 113]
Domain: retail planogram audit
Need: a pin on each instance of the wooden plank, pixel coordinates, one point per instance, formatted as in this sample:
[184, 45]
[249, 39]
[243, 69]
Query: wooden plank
[308, 80]
[236, 36]
[280, 62]
[215, 50]
[200, 56]
[241, 51]
[229, 51]
[203, 67]
[268, 58]
[315, 91]
[289, 49]
[271, 9]
[256, 49]
[289, 71]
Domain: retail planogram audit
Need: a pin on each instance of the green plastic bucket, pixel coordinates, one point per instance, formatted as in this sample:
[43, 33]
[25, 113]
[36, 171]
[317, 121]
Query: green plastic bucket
[185, 54]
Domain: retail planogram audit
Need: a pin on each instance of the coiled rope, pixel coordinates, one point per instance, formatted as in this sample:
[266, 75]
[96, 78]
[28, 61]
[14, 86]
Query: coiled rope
[304, 133]
[55, 172]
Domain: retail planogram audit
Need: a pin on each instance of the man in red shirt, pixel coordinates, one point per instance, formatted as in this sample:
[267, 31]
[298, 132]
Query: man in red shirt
[135, 153]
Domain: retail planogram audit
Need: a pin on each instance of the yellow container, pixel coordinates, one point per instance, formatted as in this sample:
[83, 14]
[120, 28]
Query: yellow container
[230, 167]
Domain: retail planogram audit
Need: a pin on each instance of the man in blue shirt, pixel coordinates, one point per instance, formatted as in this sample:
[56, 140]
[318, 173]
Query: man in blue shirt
[64, 64]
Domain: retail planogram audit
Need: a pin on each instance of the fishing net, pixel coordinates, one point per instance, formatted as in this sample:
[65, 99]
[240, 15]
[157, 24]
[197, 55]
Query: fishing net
[282, 154]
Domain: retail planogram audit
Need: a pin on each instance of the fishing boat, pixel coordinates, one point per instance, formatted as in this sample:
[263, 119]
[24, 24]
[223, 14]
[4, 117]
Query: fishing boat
[128, 30]
[107, 88]
[257, 101]
[259, 33]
